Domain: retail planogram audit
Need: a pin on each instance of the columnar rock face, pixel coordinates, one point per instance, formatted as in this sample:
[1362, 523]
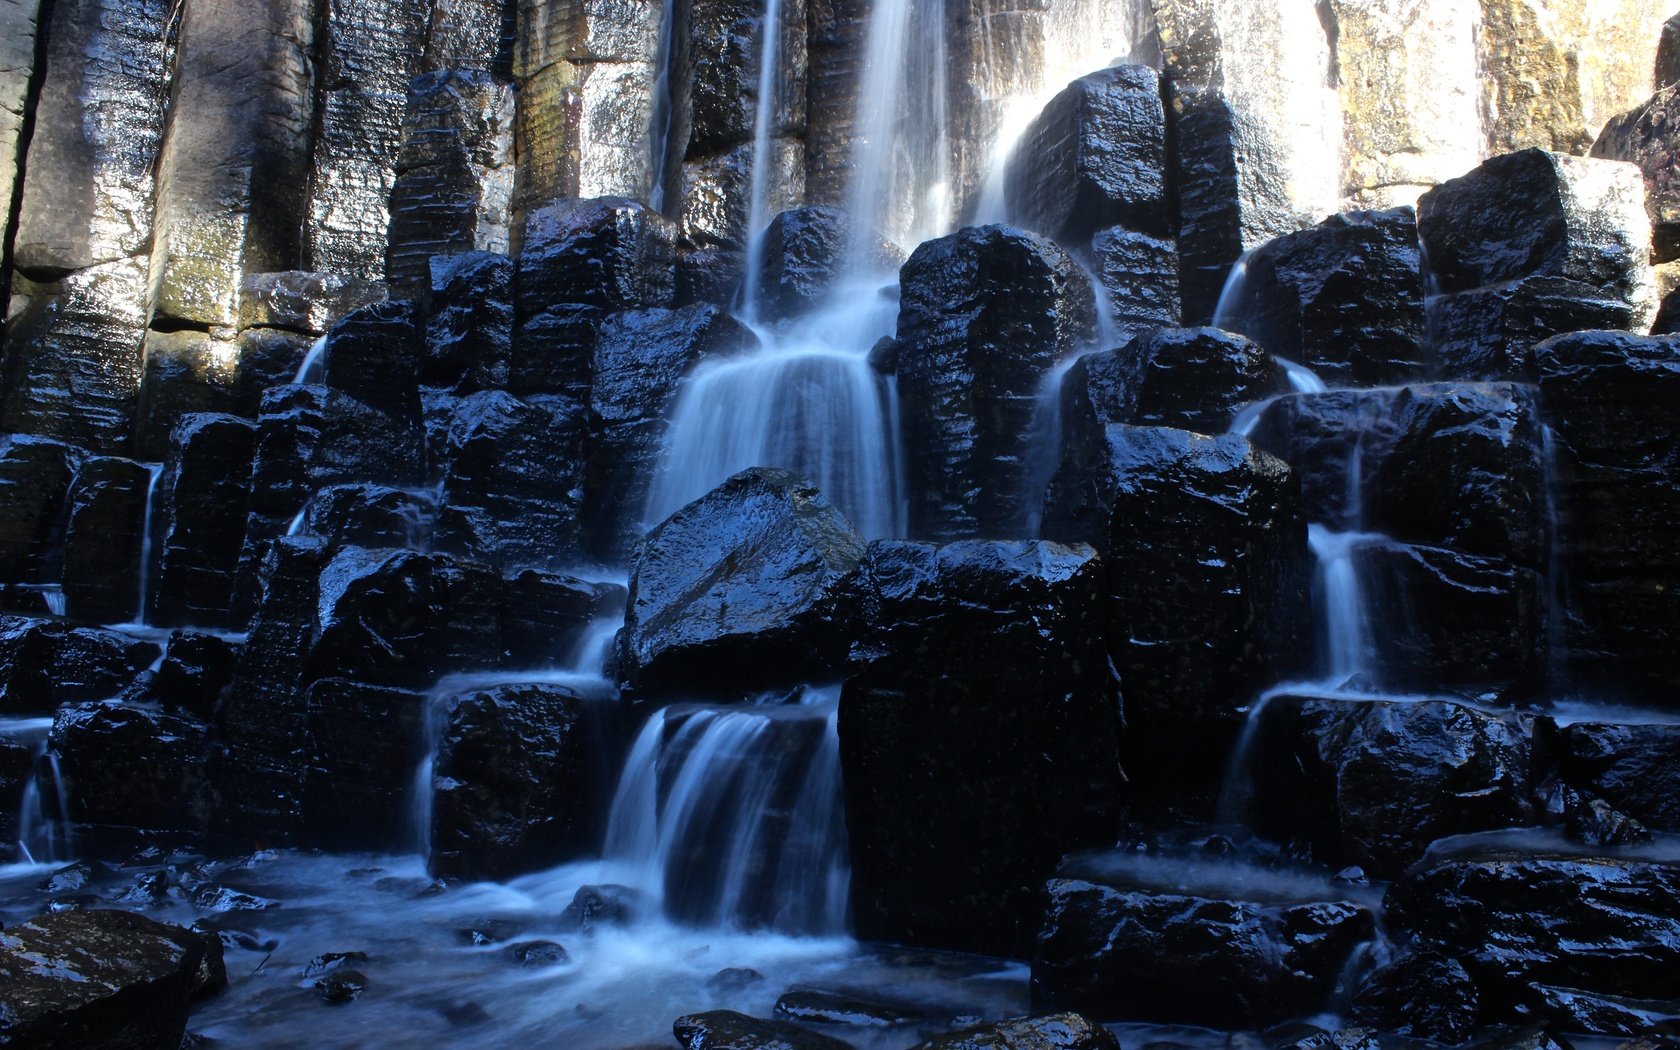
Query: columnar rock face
[1191, 378]
[744, 589]
[203, 500]
[984, 315]
[87, 197]
[1139, 274]
[1649, 136]
[1610, 398]
[1528, 245]
[370, 51]
[363, 745]
[130, 766]
[72, 355]
[835, 47]
[1204, 540]
[17, 62]
[102, 539]
[469, 322]
[1344, 298]
[1632, 767]
[183, 372]
[35, 478]
[585, 80]
[978, 685]
[45, 663]
[453, 188]
[235, 161]
[1096, 157]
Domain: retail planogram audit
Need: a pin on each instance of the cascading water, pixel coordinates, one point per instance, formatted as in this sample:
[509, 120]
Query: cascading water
[659, 126]
[314, 366]
[143, 600]
[758, 194]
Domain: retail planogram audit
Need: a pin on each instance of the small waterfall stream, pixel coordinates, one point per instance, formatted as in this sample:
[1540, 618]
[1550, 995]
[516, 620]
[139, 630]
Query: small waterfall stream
[142, 609]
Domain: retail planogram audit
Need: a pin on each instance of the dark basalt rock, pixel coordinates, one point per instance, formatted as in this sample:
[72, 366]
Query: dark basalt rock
[128, 765]
[814, 1006]
[536, 954]
[1668, 54]
[1191, 378]
[373, 355]
[268, 358]
[370, 516]
[1422, 994]
[1343, 298]
[1634, 767]
[723, 46]
[469, 322]
[513, 479]
[1008, 634]
[185, 372]
[303, 302]
[1139, 274]
[291, 426]
[1576, 1011]
[514, 781]
[362, 744]
[1205, 547]
[1649, 136]
[728, 1030]
[103, 978]
[1491, 333]
[1599, 825]
[1610, 399]
[640, 360]
[1600, 926]
[17, 770]
[1131, 951]
[454, 169]
[599, 907]
[1374, 782]
[102, 540]
[1096, 157]
[36, 474]
[805, 254]
[607, 253]
[342, 986]
[717, 191]
[1668, 315]
[203, 497]
[45, 663]
[544, 614]
[553, 351]
[196, 668]
[984, 315]
[742, 590]
[1064, 1031]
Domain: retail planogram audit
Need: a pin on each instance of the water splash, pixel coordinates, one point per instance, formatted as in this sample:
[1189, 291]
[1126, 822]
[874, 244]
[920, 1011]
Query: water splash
[314, 366]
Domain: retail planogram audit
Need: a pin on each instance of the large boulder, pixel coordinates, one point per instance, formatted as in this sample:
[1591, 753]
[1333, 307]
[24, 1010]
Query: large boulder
[369, 515]
[978, 685]
[1610, 398]
[1423, 994]
[1135, 938]
[469, 322]
[1204, 544]
[1648, 136]
[1190, 378]
[103, 979]
[1139, 274]
[1064, 1031]
[1344, 298]
[203, 499]
[1095, 158]
[805, 253]
[516, 784]
[607, 253]
[45, 663]
[130, 766]
[728, 1030]
[641, 360]
[1633, 766]
[984, 316]
[743, 589]
[1373, 782]
[1579, 223]
[1526, 926]
[303, 302]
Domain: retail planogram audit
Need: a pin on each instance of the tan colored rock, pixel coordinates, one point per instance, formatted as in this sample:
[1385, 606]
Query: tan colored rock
[17, 59]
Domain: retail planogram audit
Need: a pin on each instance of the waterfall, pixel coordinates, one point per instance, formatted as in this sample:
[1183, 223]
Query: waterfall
[659, 126]
[732, 815]
[143, 608]
[1343, 626]
[314, 367]
[764, 120]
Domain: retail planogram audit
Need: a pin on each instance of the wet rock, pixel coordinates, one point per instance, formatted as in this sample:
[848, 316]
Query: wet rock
[17, 772]
[1064, 1031]
[1647, 136]
[68, 879]
[1596, 823]
[728, 1030]
[536, 954]
[1125, 949]
[1578, 1011]
[725, 52]
[1421, 994]
[342, 986]
[732, 980]
[231, 182]
[214, 898]
[1668, 316]
[110, 978]
[1374, 782]
[717, 195]
[553, 351]
[1535, 214]
[608, 253]
[1096, 157]
[72, 355]
[741, 590]
[287, 467]
[813, 1006]
[1203, 539]
[1597, 925]
[513, 782]
[99, 116]
[367, 56]
[1028, 772]
[545, 615]
[641, 358]
[363, 743]
[1139, 274]
[184, 372]
[1344, 298]
[17, 61]
[1191, 378]
[203, 499]
[36, 476]
[454, 173]
[469, 325]
[45, 663]
[1609, 397]
[1633, 767]
[327, 962]
[984, 315]
[370, 516]
[302, 301]
[102, 539]
[1491, 333]
[599, 907]
[805, 256]
[130, 766]
[513, 480]
[373, 356]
